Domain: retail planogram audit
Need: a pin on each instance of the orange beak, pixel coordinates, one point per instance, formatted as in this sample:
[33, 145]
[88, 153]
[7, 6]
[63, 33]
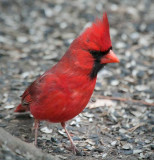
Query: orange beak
[110, 58]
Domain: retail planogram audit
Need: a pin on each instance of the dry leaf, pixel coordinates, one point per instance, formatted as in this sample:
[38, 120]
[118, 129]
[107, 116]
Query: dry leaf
[100, 103]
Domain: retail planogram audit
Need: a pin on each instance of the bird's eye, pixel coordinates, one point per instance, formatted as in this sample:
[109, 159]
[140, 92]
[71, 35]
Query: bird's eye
[98, 54]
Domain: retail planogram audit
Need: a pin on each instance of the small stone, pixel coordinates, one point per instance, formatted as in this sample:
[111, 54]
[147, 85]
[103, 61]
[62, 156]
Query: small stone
[90, 142]
[113, 143]
[149, 100]
[9, 106]
[136, 113]
[50, 56]
[104, 155]
[128, 152]
[127, 146]
[140, 74]
[62, 157]
[58, 150]
[18, 151]
[98, 149]
[139, 142]
[143, 41]
[152, 146]
[89, 115]
[136, 151]
[89, 147]
[46, 137]
[76, 138]
[139, 146]
[142, 155]
[124, 37]
[22, 39]
[48, 12]
[54, 140]
[68, 35]
[134, 36]
[120, 45]
[25, 75]
[113, 31]
[99, 6]
[147, 141]
[114, 82]
[62, 133]
[63, 25]
[98, 86]
[3, 125]
[46, 130]
[143, 27]
[90, 120]
[77, 119]
[130, 140]
[122, 130]
[73, 123]
[141, 88]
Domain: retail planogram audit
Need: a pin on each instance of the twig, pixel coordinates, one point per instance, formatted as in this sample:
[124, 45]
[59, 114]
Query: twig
[25, 149]
[127, 100]
[135, 127]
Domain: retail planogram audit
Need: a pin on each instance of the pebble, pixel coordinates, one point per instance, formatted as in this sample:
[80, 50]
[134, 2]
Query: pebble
[128, 152]
[114, 82]
[48, 12]
[25, 74]
[9, 106]
[127, 146]
[152, 146]
[90, 120]
[3, 125]
[147, 141]
[120, 45]
[136, 151]
[62, 133]
[143, 27]
[54, 140]
[46, 130]
[89, 115]
[22, 39]
[99, 150]
[50, 56]
[141, 88]
[104, 155]
[122, 130]
[135, 36]
[136, 113]
[73, 123]
[140, 74]
[113, 143]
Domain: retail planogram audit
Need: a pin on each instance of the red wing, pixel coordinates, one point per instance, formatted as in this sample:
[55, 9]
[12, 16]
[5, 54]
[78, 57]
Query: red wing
[40, 85]
[26, 96]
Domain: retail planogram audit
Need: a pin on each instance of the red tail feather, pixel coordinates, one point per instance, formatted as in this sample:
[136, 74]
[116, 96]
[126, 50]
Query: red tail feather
[20, 108]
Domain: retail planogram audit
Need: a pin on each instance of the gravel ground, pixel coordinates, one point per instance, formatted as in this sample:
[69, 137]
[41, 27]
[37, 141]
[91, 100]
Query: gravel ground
[33, 37]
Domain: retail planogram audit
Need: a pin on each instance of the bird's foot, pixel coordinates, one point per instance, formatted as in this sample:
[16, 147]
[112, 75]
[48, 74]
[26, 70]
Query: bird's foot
[35, 143]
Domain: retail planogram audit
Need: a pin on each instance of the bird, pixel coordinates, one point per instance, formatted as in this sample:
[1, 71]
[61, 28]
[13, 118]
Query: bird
[63, 91]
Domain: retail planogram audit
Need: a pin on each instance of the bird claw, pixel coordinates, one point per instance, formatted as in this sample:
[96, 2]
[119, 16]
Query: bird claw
[35, 143]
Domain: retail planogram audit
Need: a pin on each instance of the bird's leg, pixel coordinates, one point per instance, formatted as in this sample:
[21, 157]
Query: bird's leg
[73, 147]
[36, 126]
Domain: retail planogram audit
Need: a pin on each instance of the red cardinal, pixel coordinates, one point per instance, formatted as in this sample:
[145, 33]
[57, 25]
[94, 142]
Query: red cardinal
[63, 91]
